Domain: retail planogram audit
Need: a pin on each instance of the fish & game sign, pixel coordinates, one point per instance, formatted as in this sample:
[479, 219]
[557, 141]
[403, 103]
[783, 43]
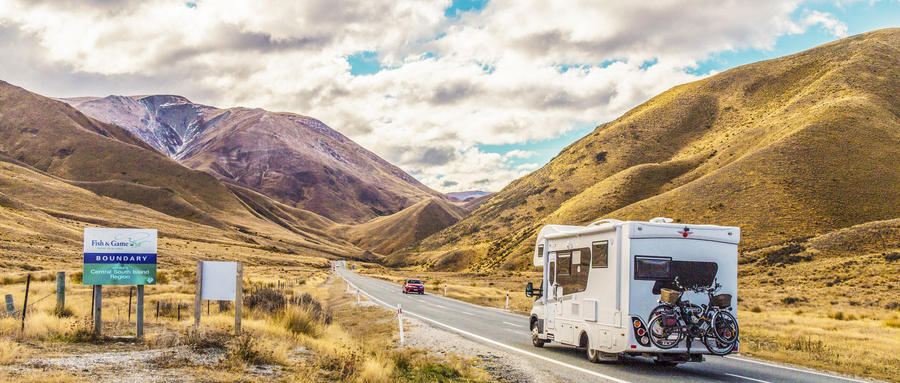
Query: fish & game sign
[119, 256]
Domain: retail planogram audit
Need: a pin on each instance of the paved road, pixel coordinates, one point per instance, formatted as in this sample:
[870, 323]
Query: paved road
[510, 332]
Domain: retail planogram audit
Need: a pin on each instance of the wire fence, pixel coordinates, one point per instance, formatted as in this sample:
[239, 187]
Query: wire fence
[18, 313]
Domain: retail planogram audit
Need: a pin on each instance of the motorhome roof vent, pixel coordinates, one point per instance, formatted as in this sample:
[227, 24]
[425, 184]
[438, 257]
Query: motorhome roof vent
[661, 220]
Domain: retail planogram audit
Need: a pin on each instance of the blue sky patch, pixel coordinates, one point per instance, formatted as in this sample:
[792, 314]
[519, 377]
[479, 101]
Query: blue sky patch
[460, 6]
[364, 63]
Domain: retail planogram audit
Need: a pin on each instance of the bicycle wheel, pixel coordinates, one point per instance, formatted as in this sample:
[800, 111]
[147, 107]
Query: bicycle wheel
[656, 310]
[715, 346]
[721, 336]
[725, 327]
[664, 337]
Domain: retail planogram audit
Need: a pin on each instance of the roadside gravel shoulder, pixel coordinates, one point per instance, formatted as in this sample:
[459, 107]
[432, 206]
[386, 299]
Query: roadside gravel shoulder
[502, 365]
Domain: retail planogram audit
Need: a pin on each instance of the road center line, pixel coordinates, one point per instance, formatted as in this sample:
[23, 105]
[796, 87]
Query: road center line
[508, 347]
[744, 377]
[467, 313]
[513, 324]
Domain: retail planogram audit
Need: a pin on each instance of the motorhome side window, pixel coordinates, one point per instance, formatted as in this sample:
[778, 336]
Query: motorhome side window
[540, 251]
[600, 254]
[652, 268]
[572, 270]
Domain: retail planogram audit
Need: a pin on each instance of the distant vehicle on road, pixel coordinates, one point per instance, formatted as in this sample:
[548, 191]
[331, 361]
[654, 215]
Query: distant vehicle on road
[602, 284]
[413, 286]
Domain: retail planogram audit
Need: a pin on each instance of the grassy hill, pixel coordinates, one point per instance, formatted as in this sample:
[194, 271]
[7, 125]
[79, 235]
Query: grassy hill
[61, 172]
[786, 148]
[386, 235]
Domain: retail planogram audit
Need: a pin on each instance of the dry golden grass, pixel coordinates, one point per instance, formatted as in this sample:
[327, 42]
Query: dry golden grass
[860, 347]
[357, 343]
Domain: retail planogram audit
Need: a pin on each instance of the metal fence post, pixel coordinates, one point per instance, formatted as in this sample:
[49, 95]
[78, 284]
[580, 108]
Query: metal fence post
[25, 305]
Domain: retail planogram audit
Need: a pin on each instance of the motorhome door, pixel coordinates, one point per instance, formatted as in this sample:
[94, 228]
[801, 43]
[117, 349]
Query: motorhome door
[552, 298]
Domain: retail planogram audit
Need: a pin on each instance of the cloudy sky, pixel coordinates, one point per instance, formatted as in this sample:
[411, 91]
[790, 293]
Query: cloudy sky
[462, 94]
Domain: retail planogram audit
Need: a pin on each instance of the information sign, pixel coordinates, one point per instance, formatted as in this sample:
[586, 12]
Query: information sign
[119, 256]
[219, 281]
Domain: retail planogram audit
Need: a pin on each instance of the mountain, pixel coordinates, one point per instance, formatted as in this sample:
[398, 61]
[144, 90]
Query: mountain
[786, 148]
[384, 235]
[467, 195]
[61, 171]
[298, 160]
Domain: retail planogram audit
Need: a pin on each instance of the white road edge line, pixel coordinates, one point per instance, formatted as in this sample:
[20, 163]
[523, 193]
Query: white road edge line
[797, 369]
[491, 341]
[513, 324]
[744, 377]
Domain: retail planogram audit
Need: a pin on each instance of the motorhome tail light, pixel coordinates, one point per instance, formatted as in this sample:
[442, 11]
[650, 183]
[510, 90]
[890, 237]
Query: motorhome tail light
[640, 332]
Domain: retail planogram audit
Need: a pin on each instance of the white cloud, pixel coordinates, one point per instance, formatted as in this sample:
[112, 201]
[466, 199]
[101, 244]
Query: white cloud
[519, 154]
[518, 71]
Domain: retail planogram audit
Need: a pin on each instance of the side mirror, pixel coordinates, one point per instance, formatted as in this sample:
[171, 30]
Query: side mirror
[530, 291]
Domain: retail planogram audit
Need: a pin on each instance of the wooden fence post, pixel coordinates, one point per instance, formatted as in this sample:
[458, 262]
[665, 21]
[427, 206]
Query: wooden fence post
[60, 292]
[10, 304]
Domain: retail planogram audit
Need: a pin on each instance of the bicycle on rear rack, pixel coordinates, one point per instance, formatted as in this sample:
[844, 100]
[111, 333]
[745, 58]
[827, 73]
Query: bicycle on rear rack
[676, 319]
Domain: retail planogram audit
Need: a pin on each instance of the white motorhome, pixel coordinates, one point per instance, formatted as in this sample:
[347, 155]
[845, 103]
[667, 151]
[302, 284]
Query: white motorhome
[605, 278]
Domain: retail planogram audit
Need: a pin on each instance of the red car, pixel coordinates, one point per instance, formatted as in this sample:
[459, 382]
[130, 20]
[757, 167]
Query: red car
[413, 286]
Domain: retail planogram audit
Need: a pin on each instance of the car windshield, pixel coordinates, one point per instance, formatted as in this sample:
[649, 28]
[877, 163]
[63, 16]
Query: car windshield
[414, 281]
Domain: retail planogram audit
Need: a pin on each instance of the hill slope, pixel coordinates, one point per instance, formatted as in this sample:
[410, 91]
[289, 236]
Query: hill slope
[296, 159]
[785, 148]
[384, 235]
[63, 171]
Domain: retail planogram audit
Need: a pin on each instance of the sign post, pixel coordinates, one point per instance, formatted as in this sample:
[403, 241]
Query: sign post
[119, 257]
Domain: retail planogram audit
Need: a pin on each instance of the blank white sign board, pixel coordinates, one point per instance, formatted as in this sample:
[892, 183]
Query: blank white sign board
[218, 281]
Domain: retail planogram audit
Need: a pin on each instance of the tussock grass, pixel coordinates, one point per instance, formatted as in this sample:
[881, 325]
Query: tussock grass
[318, 334]
[864, 347]
[12, 351]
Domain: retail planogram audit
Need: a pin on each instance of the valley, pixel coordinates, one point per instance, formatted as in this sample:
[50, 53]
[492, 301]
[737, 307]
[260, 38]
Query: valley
[799, 152]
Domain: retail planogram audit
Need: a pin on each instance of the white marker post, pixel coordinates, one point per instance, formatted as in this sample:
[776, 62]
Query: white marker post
[400, 318]
[445, 289]
[507, 300]
[357, 295]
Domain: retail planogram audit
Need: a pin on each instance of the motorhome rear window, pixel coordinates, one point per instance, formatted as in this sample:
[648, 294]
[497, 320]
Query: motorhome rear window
[652, 268]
